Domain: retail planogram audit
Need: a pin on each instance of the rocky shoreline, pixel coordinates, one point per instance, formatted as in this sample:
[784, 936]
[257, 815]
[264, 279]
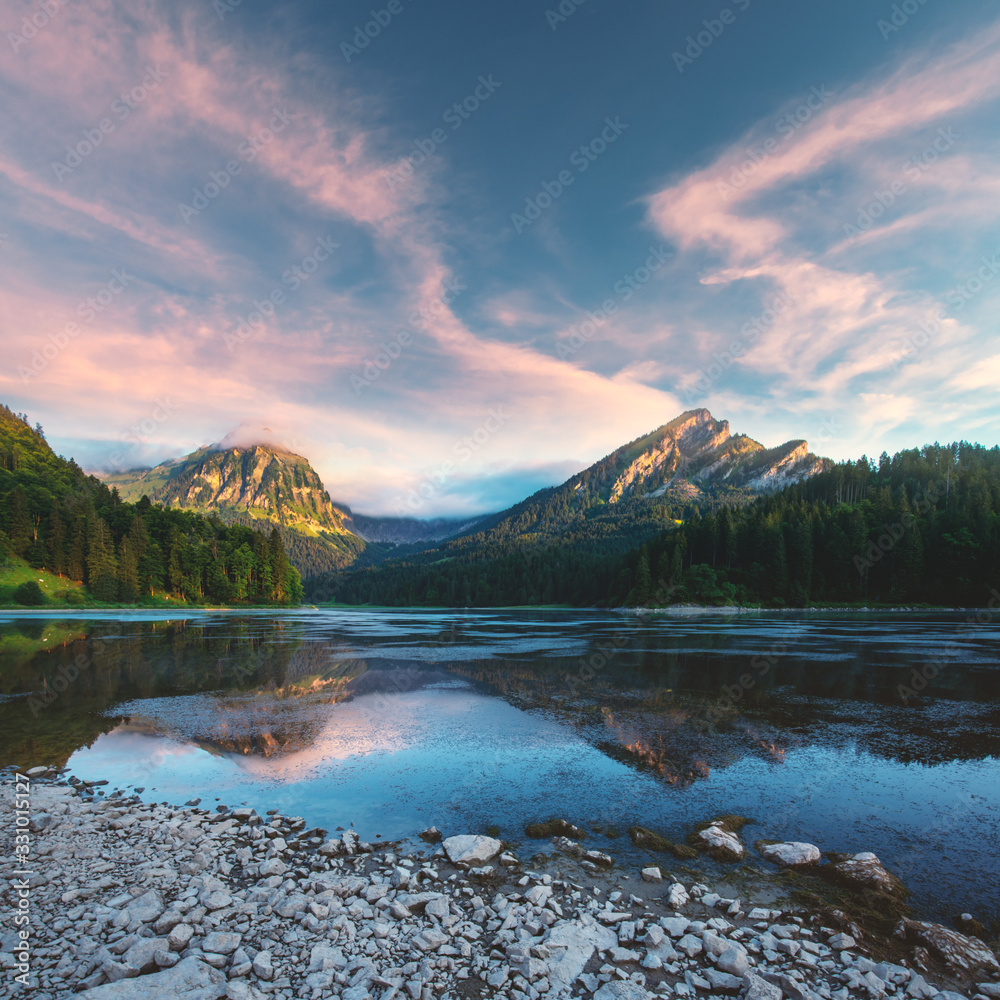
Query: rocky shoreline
[130, 899]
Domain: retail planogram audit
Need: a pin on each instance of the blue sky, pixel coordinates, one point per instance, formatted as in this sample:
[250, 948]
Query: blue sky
[477, 247]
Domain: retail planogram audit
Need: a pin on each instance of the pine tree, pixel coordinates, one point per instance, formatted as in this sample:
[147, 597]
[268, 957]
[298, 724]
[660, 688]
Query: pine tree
[76, 564]
[101, 563]
[19, 527]
[128, 573]
[56, 542]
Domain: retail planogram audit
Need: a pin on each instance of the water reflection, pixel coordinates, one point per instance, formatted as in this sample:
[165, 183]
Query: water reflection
[397, 719]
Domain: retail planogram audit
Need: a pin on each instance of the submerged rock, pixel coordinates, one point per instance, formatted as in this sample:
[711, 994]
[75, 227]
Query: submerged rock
[967, 954]
[791, 854]
[642, 837]
[553, 828]
[865, 871]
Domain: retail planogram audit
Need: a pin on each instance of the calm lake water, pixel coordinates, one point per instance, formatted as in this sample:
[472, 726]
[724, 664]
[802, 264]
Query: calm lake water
[811, 724]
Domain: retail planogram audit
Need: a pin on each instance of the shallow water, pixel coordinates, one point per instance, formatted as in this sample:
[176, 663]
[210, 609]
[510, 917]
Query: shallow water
[809, 723]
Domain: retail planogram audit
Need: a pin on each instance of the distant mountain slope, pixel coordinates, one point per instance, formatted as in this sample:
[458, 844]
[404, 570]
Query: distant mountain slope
[262, 480]
[258, 482]
[694, 453]
[558, 543]
[409, 530]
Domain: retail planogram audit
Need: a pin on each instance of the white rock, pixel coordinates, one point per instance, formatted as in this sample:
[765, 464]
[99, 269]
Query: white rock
[652, 875]
[263, 967]
[677, 896]
[721, 843]
[792, 854]
[470, 849]
[190, 979]
[733, 961]
[571, 944]
[621, 990]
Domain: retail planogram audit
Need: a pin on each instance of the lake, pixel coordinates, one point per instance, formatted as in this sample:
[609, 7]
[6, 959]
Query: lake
[854, 731]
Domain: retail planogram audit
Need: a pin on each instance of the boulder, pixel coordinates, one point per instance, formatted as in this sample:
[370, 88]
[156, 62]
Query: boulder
[760, 989]
[622, 989]
[470, 849]
[571, 945]
[733, 961]
[189, 979]
[865, 871]
[677, 896]
[967, 954]
[791, 854]
[720, 843]
[142, 955]
[554, 828]
[146, 908]
[221, 942]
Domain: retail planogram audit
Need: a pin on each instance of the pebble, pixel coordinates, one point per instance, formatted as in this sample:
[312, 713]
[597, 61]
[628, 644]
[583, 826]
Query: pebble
[175, 902]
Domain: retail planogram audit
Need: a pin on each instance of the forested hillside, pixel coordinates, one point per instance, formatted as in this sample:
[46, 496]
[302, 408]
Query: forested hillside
[55, 517]
[921, 527]
[550, 548]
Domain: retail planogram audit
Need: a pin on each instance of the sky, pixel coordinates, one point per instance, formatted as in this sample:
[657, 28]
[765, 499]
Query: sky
[458, 252]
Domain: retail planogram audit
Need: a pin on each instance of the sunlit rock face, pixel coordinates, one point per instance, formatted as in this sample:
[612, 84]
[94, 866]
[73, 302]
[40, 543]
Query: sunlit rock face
[692, 453]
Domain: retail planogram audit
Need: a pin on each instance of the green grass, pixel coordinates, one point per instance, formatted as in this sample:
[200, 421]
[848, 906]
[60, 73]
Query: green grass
[58, 591]
[62, 593]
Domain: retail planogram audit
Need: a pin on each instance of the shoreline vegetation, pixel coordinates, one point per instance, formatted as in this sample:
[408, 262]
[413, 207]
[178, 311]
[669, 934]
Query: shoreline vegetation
[131, 899]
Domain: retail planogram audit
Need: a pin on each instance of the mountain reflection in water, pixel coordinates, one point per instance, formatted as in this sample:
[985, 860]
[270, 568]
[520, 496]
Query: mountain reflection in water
[394, 719]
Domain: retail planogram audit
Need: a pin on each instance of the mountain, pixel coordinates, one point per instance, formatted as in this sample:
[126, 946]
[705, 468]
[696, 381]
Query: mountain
[558, 544]
[255, 482]
[408, 530]
[264, 481]
[693, 454]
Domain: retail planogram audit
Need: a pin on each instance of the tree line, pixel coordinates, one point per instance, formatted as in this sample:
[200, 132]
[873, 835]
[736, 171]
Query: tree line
[921, 526]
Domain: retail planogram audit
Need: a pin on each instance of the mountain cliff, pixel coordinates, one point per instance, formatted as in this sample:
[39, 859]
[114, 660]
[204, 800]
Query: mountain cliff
[253, 483]
[263, 481]
[691, 455]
